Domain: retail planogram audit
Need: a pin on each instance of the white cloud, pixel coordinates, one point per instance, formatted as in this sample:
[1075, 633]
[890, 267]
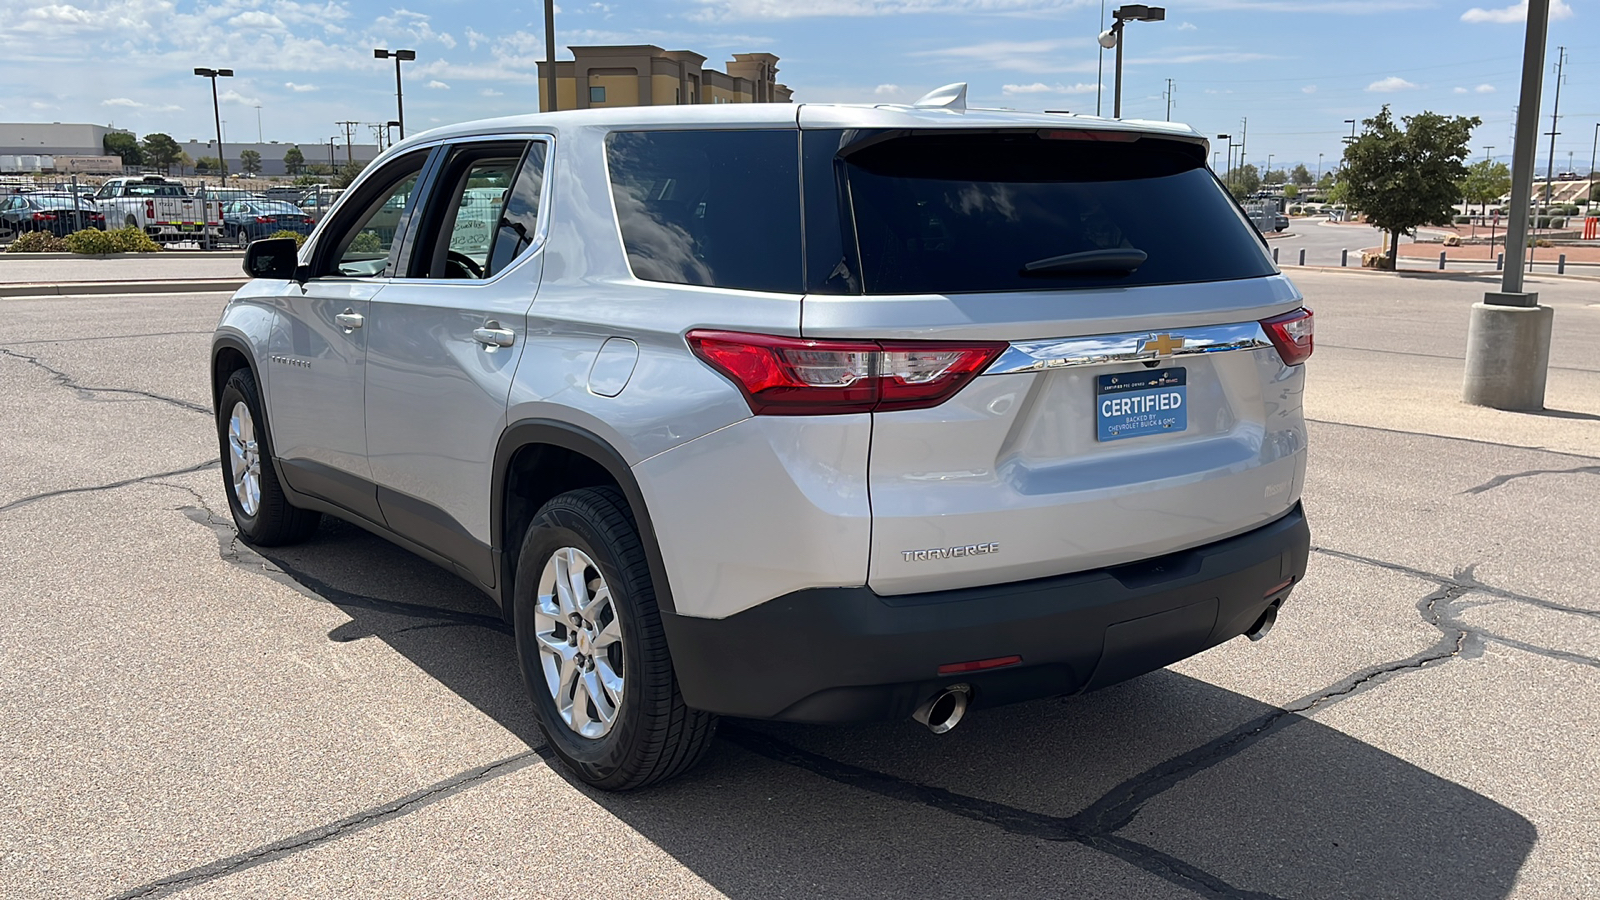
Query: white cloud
[787, 9]
[258, 20]
[39, 104]
[1309, 89]
[1460, 90]
[1516, 12]
[1390, 85]
[886, 90]
[491, 92]
[1484, 89]
[236, 97]
[438, 85]
[1039, 87]
[122, 101]
[1188, 26]
[300, 88]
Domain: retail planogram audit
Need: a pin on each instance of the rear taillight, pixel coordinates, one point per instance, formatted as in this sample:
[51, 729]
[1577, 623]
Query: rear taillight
[785, 376]
[265, 220]
[44, 217]
[1291, 333]
[150, 208]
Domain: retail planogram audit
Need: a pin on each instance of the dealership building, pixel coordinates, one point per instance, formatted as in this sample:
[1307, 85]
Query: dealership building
[57, 147]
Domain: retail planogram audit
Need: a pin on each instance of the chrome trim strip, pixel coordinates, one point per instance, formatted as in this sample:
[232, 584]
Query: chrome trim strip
[1107, 349]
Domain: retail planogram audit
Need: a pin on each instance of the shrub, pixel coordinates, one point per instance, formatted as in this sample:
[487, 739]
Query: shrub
[1542, 222]
[1571, 209]
[93, 241]
[1463, 220]
[299, 239]
[1558, 222]
[37, 242]
[366, 242]
[1296, 210]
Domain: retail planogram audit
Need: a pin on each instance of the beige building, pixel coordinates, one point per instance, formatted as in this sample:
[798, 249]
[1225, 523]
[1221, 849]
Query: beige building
[646, 75]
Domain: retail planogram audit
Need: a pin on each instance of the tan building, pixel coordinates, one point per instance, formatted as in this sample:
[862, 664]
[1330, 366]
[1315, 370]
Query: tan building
[646, 75]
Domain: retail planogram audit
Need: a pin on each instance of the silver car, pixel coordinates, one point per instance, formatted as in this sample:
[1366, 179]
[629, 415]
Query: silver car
[812, 413]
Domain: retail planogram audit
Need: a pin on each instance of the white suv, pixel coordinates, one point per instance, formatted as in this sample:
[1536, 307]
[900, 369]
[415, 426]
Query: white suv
[813, 413]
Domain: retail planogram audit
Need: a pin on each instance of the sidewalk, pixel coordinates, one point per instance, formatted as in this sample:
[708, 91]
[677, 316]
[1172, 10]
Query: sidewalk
[26, 275]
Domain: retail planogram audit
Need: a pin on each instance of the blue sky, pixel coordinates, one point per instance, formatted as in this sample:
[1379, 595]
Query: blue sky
[1295, 68]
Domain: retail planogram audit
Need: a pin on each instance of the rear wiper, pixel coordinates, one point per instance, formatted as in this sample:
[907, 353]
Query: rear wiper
[1116, 261]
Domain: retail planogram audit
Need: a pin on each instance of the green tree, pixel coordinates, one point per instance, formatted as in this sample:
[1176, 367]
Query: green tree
[160, 151]
[185, 162]
[250, 162]
[207, 164]
[1301, 175]
[1403, 177]
[1326, 181]
[294, 161]
[347, 173]
[1485, 181]
[1276, 176]
[124, 145]
[1291, 191]
[1243, 180]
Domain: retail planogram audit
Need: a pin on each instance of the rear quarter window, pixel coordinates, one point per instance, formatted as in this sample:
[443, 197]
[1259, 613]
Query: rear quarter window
[951, 212]
[715, 208]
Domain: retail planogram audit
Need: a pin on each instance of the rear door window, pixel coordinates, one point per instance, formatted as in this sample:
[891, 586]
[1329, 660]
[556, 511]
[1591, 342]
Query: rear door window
[716, 208]
[951, 212]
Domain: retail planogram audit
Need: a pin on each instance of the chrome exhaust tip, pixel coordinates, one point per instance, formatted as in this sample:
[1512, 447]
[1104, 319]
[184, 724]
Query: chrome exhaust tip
[1264, 624]
[944, 710]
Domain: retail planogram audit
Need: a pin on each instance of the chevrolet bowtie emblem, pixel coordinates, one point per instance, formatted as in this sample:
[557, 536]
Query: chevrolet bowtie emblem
[1161, 344]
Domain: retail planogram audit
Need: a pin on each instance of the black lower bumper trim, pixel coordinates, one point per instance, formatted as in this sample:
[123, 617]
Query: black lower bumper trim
[848, 654]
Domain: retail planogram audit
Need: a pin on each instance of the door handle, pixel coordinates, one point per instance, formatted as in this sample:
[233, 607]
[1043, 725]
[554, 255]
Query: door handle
[349, 320]
[492, 335]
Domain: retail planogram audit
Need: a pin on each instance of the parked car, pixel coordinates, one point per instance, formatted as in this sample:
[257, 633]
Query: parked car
[59, 214]
[226, 195]
[816, 413]
[251, 220]
[160, 207]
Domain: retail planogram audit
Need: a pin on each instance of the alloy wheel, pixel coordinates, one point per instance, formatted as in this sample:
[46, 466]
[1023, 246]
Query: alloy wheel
[244, 457]
[580, 642]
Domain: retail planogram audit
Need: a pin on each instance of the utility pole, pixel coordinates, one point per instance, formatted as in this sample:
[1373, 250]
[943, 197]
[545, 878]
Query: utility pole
[1555, 115]
[550, 54]
[259, 138]
[1168, 95]
[349, 131]
[1100, 76]
[1508, 336]
[1244, 134]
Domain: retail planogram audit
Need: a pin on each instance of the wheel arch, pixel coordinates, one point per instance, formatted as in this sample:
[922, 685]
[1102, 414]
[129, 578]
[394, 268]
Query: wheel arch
[564, 457]
[228, 355]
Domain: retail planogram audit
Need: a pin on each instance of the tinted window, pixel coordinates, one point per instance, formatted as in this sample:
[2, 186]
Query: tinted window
[519, 222]
[718, 208]
[271, 209]
[962, 213]
[484, 210]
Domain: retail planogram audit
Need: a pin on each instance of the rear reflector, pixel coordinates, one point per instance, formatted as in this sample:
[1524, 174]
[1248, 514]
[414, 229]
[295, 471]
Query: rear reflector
[786, 376]
[1291, 333]
[1280, 587]
[979, 665]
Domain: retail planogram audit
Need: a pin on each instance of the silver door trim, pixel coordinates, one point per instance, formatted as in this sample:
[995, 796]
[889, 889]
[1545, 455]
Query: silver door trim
[1131, 346]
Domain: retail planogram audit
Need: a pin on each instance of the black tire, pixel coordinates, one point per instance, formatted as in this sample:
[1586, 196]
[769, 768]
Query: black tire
[276, 522]
[244, 238]
[654, 736]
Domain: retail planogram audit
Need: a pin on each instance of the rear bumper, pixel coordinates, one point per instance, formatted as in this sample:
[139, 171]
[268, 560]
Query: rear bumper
[848, 654]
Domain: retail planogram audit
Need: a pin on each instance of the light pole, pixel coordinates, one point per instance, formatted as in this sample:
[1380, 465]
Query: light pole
[216, 111]
[550, 52]
[1112, 37]
[399, 95]
[388, 132]
[1508, 335]
[1319, 169]
[1227, 173]
[1269, 167]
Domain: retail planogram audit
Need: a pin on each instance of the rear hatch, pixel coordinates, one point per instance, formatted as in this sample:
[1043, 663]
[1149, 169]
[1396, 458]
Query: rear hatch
[1134, 406]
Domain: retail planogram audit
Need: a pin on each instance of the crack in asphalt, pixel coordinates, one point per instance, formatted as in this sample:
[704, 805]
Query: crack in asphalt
[1498, 480]
[142, 479]
[106, 337]
[311, 838]
[1449, 437]
[87, 392]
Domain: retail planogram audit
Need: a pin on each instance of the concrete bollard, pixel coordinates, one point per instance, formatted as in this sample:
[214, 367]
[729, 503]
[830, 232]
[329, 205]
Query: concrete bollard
[1508, 355]
[1274, 255]
[1561, 264]
[1441, 260]
[1344, 258]
[1302, 256]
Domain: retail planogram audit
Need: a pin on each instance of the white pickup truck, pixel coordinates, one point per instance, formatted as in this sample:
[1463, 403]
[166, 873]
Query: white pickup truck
[160, 208]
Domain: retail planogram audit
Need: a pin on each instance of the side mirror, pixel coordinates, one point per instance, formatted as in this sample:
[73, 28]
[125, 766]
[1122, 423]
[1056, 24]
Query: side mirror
[272, 258]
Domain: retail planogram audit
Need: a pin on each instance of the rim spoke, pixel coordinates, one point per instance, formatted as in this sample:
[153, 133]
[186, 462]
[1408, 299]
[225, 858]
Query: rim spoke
[551, 644]
[603, 704]
[597, 602]
[609, 680]
[610, 634]
[576, 585]
[580, 703]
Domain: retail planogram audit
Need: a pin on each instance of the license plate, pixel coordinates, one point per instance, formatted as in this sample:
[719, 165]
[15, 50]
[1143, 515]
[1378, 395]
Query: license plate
[188, 226]
[1132, 404]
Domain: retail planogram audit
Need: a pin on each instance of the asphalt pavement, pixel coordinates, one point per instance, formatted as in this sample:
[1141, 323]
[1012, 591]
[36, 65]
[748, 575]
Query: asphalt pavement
[188, 716]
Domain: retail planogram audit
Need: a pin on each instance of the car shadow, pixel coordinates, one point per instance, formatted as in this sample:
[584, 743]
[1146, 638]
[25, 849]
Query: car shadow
[1163, 786]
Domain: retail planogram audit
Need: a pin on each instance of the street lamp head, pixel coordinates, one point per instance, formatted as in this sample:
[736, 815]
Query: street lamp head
[205, 73]
[405, 54]
[1138, 12]
[225, 73]
[1224, 137]
[395, 123]
[1108, 38]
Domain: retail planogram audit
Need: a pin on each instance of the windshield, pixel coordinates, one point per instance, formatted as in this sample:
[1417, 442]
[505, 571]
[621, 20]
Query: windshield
[954, 212]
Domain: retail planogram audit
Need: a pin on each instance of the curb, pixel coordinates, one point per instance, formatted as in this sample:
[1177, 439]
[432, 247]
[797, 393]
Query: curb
[153, 286]
[1458, 275]
[183, 254]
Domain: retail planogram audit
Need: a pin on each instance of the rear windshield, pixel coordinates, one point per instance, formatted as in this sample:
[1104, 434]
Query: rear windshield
[951, 212]
[155, 190]
[63, 203]
[277, 209]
